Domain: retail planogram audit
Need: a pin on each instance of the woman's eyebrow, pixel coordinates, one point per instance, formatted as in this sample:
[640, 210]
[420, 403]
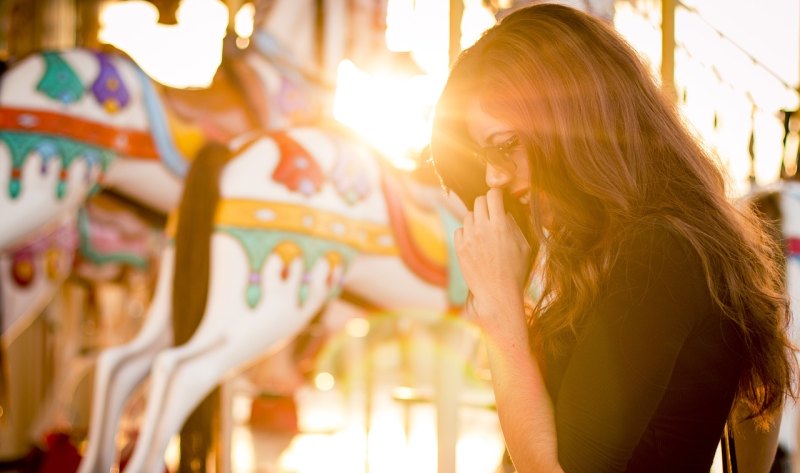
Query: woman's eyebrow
[497, 137]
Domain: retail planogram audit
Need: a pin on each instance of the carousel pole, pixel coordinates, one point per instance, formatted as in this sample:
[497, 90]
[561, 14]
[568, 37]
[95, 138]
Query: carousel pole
[448, 380]
[668, 48]
[456, 15]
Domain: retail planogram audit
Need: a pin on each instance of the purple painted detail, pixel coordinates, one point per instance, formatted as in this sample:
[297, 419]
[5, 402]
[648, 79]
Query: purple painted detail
[350, 177]
[307, 187]
[306, 278]
[255, 278]
[108, 88]
[301, 163]
[48, 151]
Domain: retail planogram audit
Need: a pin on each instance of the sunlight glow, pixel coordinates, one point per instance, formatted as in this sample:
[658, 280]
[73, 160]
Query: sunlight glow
[475, 21]
[243, 21]
[400, 438]
[357, 328]
[183, 55]
[324, 381]
[243, 457]
[243, 25]
[393, 112]
[173, 454]
[732, 82]
[390, 112]
[399, 25]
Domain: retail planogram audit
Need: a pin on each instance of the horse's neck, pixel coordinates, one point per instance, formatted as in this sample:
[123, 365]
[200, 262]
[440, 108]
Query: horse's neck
[228, 107]
[292, 26]
[316, 35]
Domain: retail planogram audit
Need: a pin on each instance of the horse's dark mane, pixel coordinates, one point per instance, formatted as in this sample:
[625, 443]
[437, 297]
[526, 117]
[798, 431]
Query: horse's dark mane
[192, 276]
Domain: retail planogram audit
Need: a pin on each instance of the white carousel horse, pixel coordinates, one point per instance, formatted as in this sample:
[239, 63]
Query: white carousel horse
[73, 119]
[301, 215]
[68, 118]
[121, 368]
[69, 121]
[77, 119]
[30, 272]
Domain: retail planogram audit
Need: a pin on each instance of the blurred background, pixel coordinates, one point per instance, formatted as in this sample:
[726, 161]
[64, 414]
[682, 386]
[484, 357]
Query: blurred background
[363, 388]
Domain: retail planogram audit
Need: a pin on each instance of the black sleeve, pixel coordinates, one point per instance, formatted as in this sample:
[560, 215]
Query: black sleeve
[624, 357]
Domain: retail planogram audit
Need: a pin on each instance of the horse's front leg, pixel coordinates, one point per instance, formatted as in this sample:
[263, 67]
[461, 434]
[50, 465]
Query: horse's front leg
[230, 335]
[121, 369]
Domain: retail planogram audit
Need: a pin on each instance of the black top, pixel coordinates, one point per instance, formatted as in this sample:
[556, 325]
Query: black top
[649, 381]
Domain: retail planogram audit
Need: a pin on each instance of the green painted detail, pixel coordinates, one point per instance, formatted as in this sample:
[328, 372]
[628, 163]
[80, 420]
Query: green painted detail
[253, 295]
[22, 145]
[303, 295]
[456, 286]
[14, 186]
[70, 150]
[61, 189]
[95, 189]
[60, 82]
[90, 253]
[258, 244]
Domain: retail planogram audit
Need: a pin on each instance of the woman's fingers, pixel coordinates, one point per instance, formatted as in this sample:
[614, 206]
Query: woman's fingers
[468, 223]
[494, 203]
[480, 210]
[470, 310]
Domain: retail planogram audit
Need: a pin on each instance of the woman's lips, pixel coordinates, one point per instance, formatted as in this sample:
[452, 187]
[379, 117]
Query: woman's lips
[523, 196]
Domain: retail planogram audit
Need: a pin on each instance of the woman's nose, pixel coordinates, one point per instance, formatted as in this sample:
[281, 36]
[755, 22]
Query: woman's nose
[496, 177]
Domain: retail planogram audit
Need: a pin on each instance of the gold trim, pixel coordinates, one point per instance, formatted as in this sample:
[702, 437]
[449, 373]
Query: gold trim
[364, 236]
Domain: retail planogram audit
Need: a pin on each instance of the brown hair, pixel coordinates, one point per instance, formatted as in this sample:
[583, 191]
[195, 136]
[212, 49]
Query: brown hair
[610, 152]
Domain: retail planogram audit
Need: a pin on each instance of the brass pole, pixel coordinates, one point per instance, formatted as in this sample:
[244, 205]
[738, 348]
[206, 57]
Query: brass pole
[456, 14]
[668, 47]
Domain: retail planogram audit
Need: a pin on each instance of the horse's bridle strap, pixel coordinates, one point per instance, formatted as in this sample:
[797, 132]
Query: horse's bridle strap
[125, 141]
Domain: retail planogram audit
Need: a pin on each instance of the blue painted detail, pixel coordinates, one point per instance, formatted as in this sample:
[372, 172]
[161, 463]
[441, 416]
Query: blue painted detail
[456, 286]
[172, 158]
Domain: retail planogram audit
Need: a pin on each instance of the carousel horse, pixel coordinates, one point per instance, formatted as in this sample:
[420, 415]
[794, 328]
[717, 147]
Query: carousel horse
[121, 368]
[76, 132]
[299, 215]
[77, 120]
[70, 121]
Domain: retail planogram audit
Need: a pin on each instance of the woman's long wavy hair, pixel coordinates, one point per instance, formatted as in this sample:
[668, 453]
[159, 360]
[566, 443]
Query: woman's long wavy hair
[610, 152]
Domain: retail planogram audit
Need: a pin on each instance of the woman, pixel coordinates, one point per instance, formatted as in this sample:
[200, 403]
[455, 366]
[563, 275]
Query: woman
[662, 304]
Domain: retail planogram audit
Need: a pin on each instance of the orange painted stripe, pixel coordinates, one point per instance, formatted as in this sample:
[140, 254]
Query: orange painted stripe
[125, 141]
[411, 254]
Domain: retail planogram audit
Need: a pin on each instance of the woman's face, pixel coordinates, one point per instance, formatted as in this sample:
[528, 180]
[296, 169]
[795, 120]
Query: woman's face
[507, 166]
[498, 146]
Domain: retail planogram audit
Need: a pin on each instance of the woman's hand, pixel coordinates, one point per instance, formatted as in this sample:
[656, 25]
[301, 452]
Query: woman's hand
[495, 261]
